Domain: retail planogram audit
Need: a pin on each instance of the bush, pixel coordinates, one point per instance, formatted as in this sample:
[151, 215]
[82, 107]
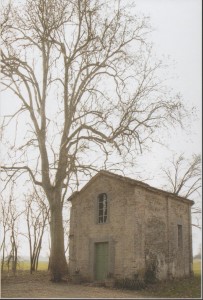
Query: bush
[150, 273]
[130, 284]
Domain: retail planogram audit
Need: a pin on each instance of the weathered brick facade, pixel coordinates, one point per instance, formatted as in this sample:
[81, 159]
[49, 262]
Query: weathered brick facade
[146, 228]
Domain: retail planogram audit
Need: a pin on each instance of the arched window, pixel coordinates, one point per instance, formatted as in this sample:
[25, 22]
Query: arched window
[102, 208]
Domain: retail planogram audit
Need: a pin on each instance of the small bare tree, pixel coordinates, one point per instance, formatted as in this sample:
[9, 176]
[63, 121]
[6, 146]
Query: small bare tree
[37, 217]
[183, 178]
[4, 230]
[184, 175]
[83, 75]
[9, 243]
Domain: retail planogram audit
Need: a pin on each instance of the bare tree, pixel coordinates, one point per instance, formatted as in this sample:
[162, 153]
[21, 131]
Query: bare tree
[88, 88]
[184, 175]
[183, 178]
[10, 233]
[37, 216]
[4, 230]
[66, 234]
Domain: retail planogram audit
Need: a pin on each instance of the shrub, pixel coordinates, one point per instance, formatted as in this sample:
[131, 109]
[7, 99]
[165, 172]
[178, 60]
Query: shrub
[151, 272]
[130, 284]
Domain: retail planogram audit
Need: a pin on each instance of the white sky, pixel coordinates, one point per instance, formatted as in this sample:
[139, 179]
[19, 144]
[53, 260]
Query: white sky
[177, 34]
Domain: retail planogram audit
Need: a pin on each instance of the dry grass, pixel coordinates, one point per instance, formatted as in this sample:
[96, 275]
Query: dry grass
[179, 288]
[38, 285]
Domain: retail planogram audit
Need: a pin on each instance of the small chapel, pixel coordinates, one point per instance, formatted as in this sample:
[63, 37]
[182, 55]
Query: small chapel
[122, 228]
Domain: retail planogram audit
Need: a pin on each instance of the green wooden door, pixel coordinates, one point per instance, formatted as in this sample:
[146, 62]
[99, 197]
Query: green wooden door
[101, 261]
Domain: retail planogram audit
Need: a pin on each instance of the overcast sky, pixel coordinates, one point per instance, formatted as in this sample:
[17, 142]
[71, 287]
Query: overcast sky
[177, 38]
[177, 33]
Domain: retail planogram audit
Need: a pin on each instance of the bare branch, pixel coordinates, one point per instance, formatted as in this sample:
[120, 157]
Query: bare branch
[23, 168]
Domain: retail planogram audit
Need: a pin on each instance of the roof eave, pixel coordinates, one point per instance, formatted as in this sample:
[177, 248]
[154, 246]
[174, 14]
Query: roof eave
[131, 181]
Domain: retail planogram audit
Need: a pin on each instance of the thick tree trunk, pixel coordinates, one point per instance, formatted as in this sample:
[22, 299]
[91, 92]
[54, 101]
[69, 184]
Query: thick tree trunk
[58, 265]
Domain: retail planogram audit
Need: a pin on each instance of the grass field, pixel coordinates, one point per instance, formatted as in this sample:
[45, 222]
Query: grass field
[25, 265]
[43, 265]
[178, 288]
[197, 267]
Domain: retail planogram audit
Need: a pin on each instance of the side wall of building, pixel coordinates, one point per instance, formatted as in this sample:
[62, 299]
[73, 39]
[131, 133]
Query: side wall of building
[180, 246]
[168, 248]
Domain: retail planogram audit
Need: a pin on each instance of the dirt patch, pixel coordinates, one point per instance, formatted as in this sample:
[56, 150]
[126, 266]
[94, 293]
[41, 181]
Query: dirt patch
[38, 285]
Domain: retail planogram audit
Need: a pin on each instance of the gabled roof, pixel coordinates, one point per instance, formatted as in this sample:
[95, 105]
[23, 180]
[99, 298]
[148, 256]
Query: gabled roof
[131, 182]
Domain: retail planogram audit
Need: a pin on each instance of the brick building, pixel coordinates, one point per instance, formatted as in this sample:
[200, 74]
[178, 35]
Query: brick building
[124, 227]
